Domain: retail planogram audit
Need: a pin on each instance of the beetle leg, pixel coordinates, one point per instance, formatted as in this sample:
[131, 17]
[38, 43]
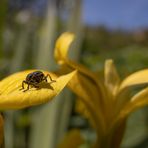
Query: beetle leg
[45, 78]
[34, 84]
[27, 87]
[48, 75]
[23, 84]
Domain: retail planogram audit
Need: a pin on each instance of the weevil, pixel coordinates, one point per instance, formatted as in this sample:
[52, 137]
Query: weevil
[34, 78]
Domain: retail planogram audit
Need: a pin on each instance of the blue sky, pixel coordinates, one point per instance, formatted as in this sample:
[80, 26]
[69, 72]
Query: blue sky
[126, 14]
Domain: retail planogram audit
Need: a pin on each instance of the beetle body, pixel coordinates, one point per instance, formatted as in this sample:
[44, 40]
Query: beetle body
[35, 78]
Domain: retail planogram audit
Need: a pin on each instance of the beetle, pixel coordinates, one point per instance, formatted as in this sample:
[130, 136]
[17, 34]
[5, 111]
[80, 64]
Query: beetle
[34, 78]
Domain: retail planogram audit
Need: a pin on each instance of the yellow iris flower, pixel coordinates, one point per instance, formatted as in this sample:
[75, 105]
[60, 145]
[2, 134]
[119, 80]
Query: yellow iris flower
[107, 101]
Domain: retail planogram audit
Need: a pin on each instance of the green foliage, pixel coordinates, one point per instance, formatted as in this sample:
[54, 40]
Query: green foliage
[128, 49]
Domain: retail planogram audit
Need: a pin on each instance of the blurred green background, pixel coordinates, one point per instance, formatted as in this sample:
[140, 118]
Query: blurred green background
[28, 31]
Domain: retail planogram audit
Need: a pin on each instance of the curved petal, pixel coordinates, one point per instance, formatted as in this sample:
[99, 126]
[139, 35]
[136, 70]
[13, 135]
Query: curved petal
[137, 78]
[94, 85]
[61, 55]
[72, 139]
[13, 98]
[139, 100]
[85, 84]
[88, 93]
[62, 46]
[111, 77]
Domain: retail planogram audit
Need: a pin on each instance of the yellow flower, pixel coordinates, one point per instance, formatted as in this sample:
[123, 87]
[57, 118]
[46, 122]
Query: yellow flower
[107, 101]
[11, 97]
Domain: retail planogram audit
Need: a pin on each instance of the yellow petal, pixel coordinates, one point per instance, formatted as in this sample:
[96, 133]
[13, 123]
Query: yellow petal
[62, 46]
[139, 100]
[111, 77]
[82, 109]
[91, 85]
[85, 83]
[89, 95]
[61, 55]
[13, 98]
[137, 78]
[83, 87]
[72, 139]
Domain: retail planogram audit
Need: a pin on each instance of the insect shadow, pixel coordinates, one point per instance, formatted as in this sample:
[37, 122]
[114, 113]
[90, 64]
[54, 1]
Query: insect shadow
[46, 85]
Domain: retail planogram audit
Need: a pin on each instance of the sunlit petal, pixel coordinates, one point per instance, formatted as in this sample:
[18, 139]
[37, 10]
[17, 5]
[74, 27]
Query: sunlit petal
[61, 55]
[86, 84]
[139, 100]
[14, 98]
[111, 76]
[88, 92]
[137, 78]
[62, 46]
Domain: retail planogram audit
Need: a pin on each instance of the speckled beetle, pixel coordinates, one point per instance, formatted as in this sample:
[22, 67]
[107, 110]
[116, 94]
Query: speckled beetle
[35, 78]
